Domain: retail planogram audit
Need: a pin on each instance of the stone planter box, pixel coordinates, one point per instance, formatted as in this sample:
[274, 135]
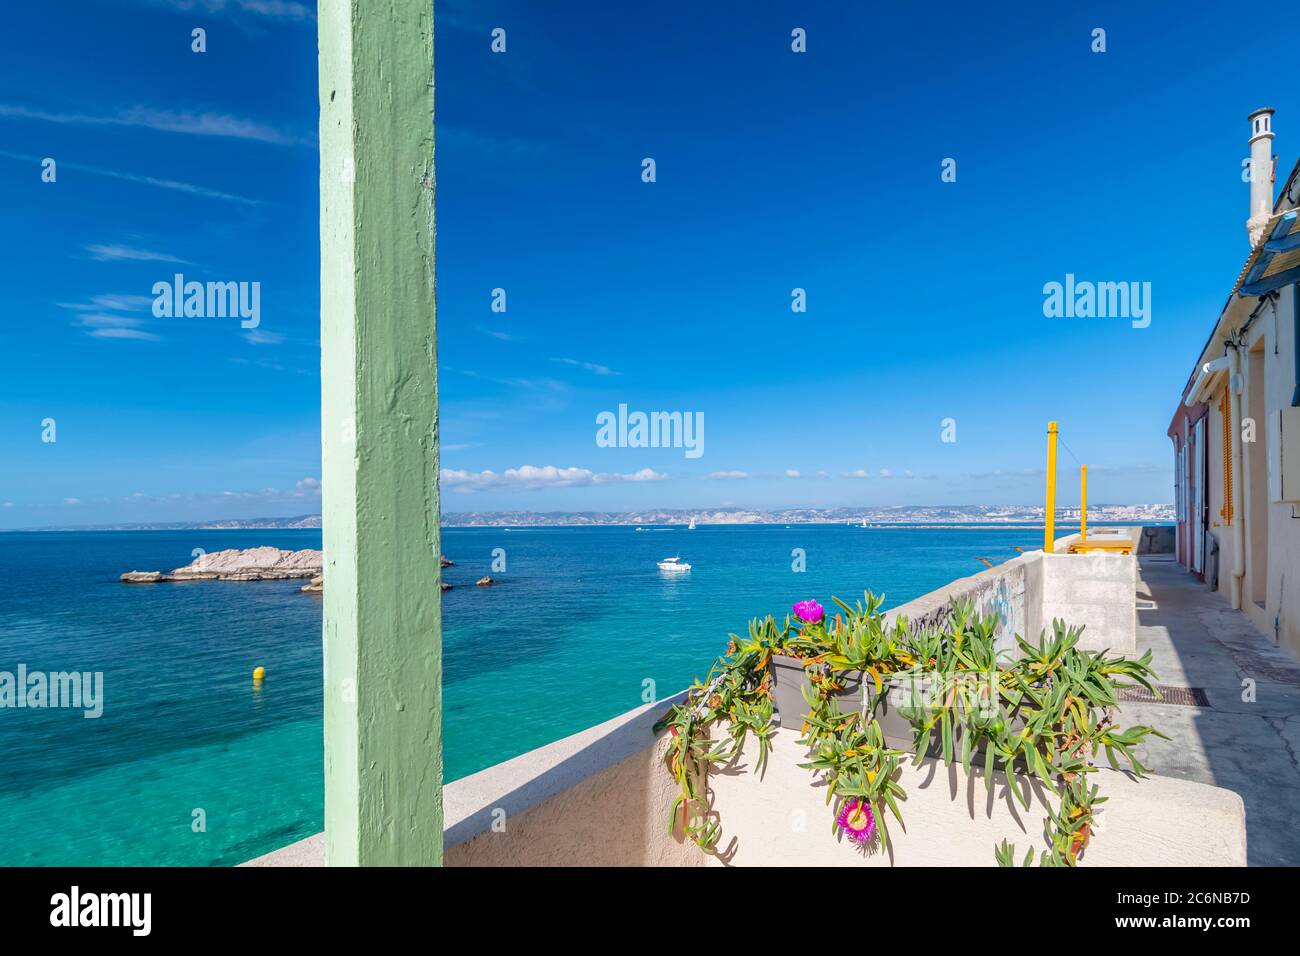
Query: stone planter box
[899, 693]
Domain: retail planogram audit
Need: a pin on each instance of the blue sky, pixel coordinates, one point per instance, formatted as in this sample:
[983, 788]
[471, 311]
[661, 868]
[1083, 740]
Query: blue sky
[775, 170]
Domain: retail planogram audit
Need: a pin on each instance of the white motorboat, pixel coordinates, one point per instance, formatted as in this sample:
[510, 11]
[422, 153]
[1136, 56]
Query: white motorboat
[673, 564]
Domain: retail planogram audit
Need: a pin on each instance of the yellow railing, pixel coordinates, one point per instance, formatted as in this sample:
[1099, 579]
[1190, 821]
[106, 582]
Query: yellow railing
[1049, 532]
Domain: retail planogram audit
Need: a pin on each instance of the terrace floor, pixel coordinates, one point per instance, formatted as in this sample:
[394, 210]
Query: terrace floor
[1248, 746]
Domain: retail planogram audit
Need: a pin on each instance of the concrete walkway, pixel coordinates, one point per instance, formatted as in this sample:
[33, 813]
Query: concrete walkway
[1243, 744]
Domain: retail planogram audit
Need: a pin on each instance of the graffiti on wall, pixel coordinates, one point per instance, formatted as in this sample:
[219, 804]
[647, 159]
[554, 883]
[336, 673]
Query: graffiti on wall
[999, 593]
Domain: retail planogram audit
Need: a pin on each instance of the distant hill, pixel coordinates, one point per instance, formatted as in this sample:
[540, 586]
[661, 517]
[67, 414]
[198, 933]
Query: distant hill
[912, 514]
[222, 524]
[915, 514]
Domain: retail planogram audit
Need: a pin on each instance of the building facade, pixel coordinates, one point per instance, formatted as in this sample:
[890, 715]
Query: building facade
[1236, 430]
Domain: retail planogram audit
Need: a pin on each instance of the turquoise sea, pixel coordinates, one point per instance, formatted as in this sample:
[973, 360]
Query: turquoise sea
[580, 621]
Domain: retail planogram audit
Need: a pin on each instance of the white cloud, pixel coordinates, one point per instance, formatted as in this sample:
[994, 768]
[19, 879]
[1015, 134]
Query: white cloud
[263, 338]
[165, 121]
[97, 320]
[886, 473]
[134, 334]
[120, 303]
[108, 316]
[791, 473]
[8, 504]
[278, 9]
[728, 475]
[856, 473]
[498, 334]
[154, 181]
[117, 252]
[308, 485]
[589, 366]
[72, 501]
[538, 384]
[534, 477]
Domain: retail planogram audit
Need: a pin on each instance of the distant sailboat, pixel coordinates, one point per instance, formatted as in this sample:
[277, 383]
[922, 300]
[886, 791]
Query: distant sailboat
[864, 522]
[691, 527]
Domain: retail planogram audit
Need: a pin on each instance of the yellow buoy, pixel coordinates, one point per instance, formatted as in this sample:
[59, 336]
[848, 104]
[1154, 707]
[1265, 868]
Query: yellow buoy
[259, 673]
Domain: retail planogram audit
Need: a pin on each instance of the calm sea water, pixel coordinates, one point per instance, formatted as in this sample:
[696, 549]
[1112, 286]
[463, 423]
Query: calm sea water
[580, 621]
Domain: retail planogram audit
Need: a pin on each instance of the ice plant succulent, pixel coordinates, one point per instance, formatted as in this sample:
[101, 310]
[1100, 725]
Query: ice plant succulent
[857, 821]
[809, 611]
[1047, 710]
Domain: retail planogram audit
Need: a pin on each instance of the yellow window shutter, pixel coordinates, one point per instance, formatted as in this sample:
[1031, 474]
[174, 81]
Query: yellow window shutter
[1225, 409]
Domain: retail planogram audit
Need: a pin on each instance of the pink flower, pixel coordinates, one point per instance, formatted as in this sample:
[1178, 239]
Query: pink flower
[809, 611]
[857, 820]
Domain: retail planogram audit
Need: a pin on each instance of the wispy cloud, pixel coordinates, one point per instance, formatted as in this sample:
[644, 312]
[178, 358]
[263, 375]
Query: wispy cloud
[499, 335]
[171, 184]
[588, 366]
[260, 337]
[112, 316]
[123, 333]
[98, 303]
[164, 121]
[275, 9]
[104, 320]
[791, 473]
[727, 476]
[536, 384]
[532, 477]
[856, 473]
[117, 252]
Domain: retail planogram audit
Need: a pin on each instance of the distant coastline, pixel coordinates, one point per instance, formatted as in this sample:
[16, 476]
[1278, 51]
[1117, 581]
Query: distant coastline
[947, 516]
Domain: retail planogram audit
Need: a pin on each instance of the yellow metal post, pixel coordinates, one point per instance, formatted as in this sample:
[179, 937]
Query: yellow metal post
[1049, 536]
[1083, 504]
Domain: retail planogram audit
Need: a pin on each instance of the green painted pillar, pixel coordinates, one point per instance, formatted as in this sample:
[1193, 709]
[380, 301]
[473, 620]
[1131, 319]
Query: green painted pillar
[379, 433]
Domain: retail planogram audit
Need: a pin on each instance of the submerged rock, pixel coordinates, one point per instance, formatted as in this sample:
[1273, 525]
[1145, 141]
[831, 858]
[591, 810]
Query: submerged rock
[485, 581]
[446, 586]
[253, 564]
[445, 562]
[142, 577]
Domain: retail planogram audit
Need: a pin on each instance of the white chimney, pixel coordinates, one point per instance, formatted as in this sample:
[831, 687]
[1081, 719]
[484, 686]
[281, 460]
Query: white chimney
[1261, 173]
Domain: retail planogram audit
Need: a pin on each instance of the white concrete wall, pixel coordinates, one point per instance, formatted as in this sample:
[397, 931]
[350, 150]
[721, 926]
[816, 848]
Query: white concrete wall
[597, 798]
[952, 819]
[601, 798]
[1278, 617]
[1095, 591]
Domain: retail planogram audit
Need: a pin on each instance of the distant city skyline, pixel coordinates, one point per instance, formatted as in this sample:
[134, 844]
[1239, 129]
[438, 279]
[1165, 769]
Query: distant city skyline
[947, 515]
[837, 276]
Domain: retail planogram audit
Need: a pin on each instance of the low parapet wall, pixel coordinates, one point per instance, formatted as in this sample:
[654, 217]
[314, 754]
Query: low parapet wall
[1095, 591]
[1011, 592]
[597, 798]
[954, 820]
[601, 798]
